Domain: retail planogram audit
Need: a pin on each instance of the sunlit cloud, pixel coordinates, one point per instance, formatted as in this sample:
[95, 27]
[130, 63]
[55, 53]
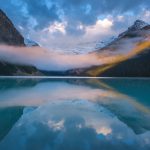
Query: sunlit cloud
[101, 28]
[72, 21]
[57, 27]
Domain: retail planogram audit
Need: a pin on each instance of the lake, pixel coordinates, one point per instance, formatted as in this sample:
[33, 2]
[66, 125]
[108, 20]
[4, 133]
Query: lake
[74, 114]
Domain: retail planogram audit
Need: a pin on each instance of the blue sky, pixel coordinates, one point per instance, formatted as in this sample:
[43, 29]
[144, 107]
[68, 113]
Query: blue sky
[57, 22]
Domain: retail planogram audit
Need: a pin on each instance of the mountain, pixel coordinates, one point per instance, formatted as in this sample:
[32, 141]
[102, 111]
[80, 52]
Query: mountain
[30, 43]
[81, 47]
[130, 52]
[9, 35]
[137, 26]
[89, 47]
[131, 55]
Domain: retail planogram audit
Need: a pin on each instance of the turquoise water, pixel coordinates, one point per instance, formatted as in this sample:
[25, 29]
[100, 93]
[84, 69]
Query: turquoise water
[74, 114]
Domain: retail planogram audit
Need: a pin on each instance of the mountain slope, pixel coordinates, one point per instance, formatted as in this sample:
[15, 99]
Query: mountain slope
[8, 33]
[131, 55]
[30, 43]
[138, 66]
[10, 36]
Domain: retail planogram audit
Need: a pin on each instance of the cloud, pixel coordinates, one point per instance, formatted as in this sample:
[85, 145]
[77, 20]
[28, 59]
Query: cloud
[45, 60]
[74, 12]
[102, 27]
[41, 12]
[69, 21]
[61, 125]
[57, 27]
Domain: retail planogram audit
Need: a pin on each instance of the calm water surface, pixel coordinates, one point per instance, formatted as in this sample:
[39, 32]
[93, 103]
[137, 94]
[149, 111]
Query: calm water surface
[74, 114]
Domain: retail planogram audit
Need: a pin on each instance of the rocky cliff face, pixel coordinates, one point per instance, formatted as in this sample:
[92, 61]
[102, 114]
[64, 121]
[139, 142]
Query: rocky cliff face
[8, 33]
[10, 36]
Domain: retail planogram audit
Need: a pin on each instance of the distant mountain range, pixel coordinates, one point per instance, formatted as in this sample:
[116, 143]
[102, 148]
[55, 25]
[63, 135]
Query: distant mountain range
[135, 62]
[82, 47]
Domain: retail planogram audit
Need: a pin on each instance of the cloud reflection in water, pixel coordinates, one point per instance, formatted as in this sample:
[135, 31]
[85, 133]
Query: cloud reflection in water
[75, 115]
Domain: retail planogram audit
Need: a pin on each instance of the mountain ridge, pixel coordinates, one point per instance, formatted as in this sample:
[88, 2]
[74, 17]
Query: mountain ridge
[10, 36]
[126, 66]
[137, 25]
[8, 33]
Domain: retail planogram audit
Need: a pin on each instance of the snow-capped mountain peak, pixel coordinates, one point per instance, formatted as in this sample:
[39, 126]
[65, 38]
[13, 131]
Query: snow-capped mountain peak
[30, 43]
[138, 24]
[83, 47]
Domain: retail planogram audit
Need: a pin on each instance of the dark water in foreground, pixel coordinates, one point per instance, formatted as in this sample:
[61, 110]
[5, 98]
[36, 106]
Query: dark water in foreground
[74, 114]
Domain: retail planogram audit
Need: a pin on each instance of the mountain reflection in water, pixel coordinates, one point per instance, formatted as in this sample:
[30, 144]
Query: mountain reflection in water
[74, 114]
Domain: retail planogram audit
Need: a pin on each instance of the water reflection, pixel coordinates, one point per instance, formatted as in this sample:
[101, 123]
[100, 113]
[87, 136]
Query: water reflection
[74, 114]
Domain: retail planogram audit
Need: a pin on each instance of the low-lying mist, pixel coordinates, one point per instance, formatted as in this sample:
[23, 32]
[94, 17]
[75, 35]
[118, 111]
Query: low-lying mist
[44, 59]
